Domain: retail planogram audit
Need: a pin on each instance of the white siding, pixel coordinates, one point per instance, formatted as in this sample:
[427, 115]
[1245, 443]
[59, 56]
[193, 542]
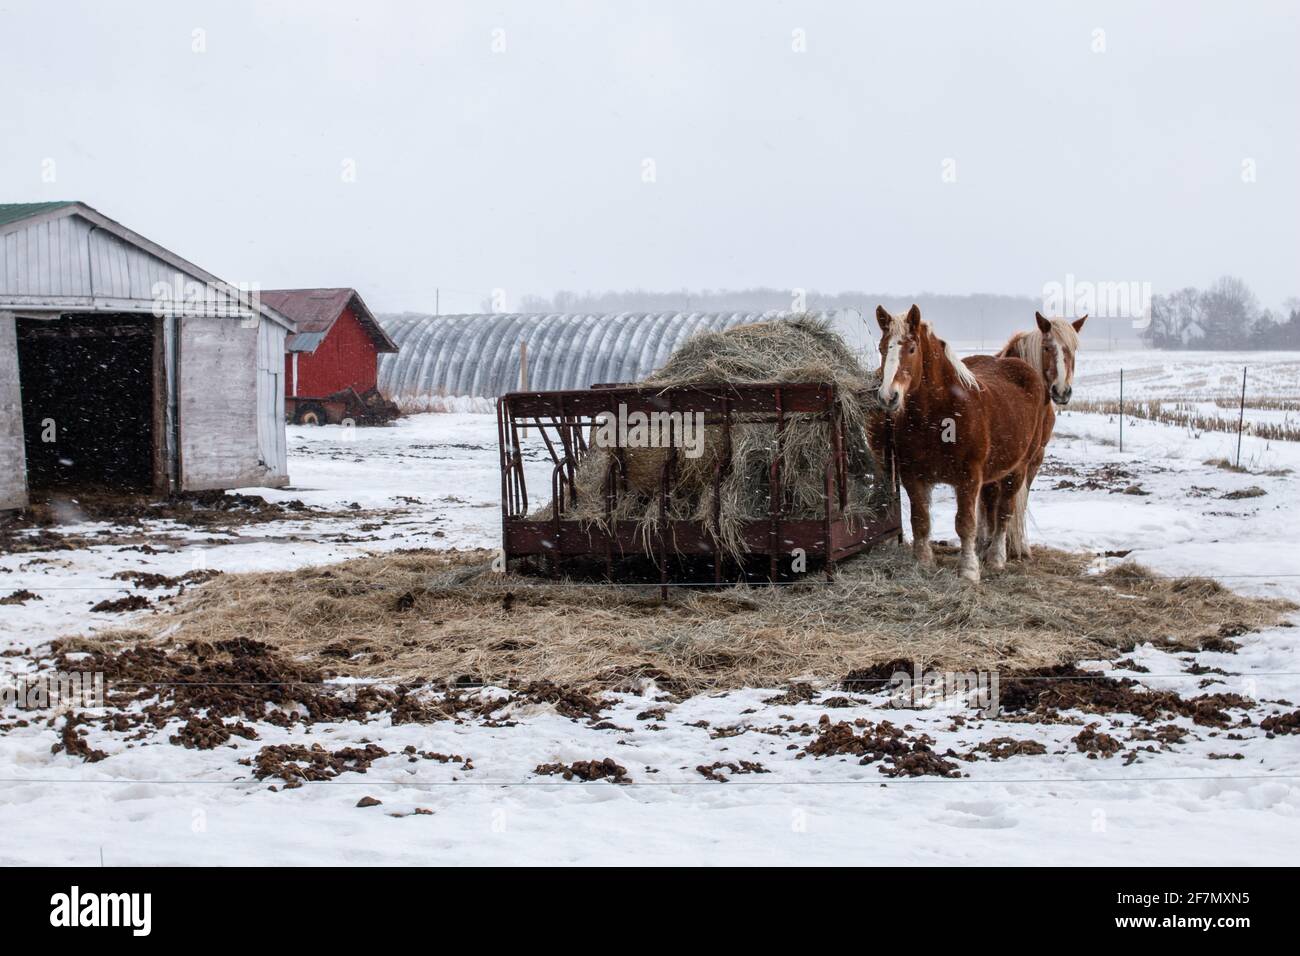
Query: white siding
[218, 407]
[270, 404]
[71, 263]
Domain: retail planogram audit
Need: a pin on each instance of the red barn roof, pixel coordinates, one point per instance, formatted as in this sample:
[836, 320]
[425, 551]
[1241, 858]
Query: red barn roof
[316, 311]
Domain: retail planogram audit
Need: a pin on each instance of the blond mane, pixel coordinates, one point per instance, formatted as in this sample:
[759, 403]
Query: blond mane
[1029, 345]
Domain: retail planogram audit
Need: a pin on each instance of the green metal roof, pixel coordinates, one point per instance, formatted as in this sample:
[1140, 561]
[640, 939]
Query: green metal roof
[12, 212]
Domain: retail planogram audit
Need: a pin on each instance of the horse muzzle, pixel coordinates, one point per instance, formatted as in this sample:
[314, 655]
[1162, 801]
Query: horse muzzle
[890, 405]
[1061, 397]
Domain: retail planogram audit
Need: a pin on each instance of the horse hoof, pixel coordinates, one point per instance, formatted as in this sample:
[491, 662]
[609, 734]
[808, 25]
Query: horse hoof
[924, 555]
[971, 574]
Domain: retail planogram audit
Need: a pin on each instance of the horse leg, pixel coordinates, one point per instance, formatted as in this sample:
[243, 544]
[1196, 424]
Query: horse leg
[1009, 489]
[1017, 539]
[918, 494]
[985, 511]
[968, 493]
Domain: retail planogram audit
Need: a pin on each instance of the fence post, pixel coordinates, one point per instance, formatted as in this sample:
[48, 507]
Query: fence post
[1121, 411]
[1241, 414]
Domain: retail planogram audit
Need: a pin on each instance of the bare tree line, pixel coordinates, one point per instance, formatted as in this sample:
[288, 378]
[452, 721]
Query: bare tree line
[1226, 315]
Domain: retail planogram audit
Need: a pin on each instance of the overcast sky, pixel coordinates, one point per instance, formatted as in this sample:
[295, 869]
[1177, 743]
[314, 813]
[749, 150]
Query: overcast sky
[541, 145]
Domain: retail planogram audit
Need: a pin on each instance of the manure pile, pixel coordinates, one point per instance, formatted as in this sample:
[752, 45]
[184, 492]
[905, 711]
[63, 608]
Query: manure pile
[803, 349]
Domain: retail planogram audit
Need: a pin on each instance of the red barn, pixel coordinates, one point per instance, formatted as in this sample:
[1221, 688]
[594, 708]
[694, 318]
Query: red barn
[336, 348]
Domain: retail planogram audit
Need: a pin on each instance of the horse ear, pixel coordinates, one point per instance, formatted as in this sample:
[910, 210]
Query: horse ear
[884, 318]
[913, 318]
[1078, 323]
[1043, 324]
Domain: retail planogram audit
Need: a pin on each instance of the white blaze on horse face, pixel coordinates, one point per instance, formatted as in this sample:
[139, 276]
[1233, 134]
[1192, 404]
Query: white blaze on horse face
[889, 393]
[1062, 377]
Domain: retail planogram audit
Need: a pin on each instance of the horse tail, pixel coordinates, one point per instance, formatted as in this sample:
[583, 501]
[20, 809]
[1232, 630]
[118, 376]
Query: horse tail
[1017, 540]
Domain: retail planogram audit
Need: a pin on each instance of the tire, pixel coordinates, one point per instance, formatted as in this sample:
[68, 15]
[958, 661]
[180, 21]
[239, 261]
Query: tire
[309, 413]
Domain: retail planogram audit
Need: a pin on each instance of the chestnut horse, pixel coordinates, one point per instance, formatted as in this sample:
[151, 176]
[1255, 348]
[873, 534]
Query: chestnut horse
[1050, 348]
[967, 424]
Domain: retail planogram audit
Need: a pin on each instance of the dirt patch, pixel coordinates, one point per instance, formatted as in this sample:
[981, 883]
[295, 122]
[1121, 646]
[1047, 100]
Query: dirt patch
[238, 679]
[1094, 743]
[586, 770]
[882, 608]
[205, 733]
[1281, 724]
[1104, 477]
[149, 580]
[1050, 691]
[797, 693]
[21, 596]
[37, 528]
[567, 701]
[1166, 735]
[899, 754]
[413, 755]
[1254, 491]
[296, 764]
[713, 771]
[72, 741]
[132, 602]
[1000, 748]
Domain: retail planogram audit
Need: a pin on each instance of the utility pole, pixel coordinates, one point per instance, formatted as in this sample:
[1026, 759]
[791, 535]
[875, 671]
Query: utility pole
[437, 301]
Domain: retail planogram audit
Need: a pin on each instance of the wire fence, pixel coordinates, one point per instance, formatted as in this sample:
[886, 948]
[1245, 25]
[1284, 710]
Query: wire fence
[1279, 418]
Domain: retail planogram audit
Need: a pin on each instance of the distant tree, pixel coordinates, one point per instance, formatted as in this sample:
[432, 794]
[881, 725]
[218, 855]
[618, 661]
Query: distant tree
[1229, 310]
[1263, 331]
[1176, 320]
[1284, 334]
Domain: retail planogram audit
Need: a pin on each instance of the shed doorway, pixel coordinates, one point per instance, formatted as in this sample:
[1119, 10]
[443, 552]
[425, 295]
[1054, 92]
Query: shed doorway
[91, 397]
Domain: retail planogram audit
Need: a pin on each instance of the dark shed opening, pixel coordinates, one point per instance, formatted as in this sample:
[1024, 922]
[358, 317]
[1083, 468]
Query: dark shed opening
[90, 387]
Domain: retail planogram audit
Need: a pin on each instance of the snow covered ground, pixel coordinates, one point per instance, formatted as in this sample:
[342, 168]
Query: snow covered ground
[433, 481]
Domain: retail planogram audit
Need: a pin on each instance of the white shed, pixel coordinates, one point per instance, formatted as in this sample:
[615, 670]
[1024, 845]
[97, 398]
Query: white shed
[124, 367]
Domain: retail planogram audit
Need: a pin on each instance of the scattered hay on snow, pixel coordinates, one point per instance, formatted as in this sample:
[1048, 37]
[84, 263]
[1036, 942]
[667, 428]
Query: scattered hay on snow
[441, 616]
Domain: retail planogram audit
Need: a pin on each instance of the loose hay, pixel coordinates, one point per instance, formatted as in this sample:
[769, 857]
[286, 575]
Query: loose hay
[804, 349]
[444, 617]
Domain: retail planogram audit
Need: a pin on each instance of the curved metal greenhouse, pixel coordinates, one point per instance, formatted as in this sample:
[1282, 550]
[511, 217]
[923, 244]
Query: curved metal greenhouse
[478, 356]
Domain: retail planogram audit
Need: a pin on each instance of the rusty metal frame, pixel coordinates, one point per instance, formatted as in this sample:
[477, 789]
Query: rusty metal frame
[562, 419]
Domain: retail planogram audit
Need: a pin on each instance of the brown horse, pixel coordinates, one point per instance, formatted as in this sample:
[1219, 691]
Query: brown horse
[1050, 348]
[967, 424]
